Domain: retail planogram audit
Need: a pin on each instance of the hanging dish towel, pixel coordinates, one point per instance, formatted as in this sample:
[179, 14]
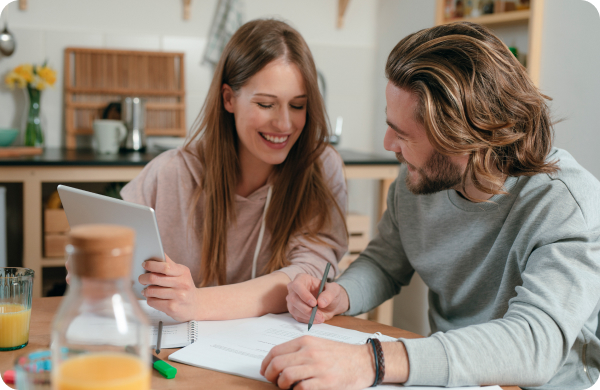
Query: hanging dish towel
[228, 18]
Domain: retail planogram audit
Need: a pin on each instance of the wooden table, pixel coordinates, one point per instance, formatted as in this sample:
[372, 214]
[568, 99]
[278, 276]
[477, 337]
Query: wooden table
[188, 377]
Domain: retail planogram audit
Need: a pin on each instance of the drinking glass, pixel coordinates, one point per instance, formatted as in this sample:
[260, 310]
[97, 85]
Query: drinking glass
[15, 307]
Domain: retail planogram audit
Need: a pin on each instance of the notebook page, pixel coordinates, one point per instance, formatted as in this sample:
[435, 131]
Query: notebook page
[180, 334]
[240, 350]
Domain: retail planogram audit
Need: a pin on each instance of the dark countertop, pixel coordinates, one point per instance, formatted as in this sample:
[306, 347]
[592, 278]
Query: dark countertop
[64, 157]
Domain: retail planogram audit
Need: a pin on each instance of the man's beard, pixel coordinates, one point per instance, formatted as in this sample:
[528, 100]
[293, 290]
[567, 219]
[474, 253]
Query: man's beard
[438, 174]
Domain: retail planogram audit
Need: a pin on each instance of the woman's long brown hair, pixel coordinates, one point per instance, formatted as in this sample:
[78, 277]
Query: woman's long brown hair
[301, 200]
[475, 98]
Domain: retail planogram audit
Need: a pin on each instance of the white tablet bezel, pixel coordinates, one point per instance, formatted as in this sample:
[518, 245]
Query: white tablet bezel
[83, 207]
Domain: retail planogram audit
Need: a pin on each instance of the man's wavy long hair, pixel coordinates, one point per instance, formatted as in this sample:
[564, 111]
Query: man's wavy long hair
[475, 98]
[301, 199]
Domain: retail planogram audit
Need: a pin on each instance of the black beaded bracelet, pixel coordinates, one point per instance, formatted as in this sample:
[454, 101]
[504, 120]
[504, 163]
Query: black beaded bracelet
[372, 341]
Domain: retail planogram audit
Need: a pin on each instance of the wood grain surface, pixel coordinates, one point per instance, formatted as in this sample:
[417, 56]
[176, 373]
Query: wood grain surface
[188, 377]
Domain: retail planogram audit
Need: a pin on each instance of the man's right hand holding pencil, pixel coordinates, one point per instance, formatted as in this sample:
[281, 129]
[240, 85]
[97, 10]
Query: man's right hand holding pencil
[301, 299]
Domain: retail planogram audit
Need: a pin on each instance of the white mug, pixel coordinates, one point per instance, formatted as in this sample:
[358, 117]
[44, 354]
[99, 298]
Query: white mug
[109, 134]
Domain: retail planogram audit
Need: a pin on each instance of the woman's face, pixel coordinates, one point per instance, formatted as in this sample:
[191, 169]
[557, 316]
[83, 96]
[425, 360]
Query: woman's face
[269, 112]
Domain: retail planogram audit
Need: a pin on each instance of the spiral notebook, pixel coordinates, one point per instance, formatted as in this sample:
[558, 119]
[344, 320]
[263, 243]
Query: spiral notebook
[239, 349]
[180, 334]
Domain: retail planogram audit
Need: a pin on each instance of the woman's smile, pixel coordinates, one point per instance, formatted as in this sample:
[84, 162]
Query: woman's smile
[275, 141]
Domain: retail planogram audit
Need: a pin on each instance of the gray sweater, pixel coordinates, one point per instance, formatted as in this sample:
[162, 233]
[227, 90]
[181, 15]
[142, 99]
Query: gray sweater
[514, 283]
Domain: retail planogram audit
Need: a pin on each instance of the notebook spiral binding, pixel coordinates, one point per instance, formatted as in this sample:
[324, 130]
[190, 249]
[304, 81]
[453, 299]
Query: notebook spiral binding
[193, 331]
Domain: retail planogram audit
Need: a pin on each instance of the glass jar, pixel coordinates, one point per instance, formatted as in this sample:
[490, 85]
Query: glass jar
[100, 335]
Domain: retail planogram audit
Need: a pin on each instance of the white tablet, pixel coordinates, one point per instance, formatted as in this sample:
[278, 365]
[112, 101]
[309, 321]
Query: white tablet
[84, 207]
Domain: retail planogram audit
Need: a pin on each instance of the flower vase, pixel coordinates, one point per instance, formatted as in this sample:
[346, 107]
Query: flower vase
[33, 131]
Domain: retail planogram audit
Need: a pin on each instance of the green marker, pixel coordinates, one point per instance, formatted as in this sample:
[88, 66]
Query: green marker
[167, 370]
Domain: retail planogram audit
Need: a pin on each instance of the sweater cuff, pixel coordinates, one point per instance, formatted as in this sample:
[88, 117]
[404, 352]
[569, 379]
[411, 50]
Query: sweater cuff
[355, 296]
[428, 362]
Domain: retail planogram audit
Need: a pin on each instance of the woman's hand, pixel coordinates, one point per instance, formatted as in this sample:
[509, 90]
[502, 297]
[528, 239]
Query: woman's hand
[301, 299]
[314, 363]
[171, 289]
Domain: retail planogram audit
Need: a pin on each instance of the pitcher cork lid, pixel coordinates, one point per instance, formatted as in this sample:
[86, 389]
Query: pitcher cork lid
[101, 251]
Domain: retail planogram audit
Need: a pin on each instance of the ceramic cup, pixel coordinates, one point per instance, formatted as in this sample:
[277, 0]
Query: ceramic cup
[109, 134]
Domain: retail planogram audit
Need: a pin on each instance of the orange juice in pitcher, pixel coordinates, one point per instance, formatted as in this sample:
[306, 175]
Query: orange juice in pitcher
[107, 371]
[100, 335]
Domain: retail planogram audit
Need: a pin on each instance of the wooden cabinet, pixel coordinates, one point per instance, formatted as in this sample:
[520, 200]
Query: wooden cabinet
[56, 227]
[43, 228]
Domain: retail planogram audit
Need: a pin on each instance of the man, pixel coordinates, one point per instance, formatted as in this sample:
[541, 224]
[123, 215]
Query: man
[503, 228]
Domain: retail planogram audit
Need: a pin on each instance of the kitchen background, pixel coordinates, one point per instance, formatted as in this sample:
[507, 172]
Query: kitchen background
[352, 60]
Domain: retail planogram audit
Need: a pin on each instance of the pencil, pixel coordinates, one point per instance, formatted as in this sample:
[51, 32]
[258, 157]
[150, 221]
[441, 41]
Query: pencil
[314, 310]
[158, 339]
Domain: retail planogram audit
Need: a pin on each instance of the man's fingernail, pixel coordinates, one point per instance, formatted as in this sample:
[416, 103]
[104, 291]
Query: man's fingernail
[324, 301]
[312, 302]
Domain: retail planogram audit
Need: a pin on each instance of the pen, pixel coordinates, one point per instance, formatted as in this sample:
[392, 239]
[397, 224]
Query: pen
[158, 339]
[314, 310]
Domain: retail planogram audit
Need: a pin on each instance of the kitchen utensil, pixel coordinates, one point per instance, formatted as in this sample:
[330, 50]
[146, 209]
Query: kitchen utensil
[334, 138]
[133, 114]
[7, 42]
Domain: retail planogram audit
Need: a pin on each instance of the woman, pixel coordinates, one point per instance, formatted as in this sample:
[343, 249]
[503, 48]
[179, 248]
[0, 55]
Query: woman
[255, 190]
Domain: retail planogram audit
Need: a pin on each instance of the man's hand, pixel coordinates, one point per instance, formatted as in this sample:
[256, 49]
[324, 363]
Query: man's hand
[171, 289]
[301, 299]
[314, 363]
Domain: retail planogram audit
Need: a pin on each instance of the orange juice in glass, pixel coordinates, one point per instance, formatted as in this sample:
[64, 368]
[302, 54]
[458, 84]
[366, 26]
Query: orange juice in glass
[15, 307]
[102, 370]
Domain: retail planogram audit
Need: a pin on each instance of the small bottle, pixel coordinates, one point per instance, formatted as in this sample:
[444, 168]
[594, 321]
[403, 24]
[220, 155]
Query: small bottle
[100, 335]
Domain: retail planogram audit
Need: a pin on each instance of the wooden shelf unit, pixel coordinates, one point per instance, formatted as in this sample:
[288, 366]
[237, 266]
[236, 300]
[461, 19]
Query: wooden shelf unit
[96, 77]
[500, 18]
[533, 17]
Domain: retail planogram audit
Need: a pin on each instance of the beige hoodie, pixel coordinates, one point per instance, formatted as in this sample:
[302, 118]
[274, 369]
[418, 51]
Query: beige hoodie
[167, 184]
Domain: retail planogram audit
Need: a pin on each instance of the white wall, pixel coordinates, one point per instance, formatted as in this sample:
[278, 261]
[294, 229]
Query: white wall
[48, 26]
[570, 74]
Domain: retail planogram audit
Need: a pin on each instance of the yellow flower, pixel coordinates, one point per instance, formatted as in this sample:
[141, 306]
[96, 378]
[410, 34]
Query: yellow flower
[47, 74]
[38, 83]
[25, 71]
[13, 79]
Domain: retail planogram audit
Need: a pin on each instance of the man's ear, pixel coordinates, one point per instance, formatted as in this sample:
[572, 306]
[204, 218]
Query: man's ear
[228, 97]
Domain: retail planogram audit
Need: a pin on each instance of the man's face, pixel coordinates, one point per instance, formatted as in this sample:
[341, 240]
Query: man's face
[428, 170]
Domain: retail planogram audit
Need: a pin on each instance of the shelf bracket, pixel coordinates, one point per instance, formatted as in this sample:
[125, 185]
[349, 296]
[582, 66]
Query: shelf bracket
[342, 7]
[187, 9]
